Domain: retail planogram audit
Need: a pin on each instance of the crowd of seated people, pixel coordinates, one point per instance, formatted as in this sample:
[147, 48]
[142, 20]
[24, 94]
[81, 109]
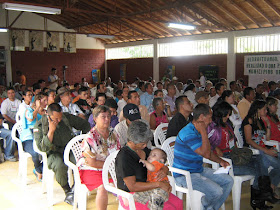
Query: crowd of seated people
[208, 122]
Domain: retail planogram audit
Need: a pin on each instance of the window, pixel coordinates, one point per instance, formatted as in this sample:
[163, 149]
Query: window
[265, 43]
[200, 47]
[141, 51]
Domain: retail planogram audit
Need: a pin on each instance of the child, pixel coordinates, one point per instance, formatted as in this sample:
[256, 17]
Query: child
[155, 197]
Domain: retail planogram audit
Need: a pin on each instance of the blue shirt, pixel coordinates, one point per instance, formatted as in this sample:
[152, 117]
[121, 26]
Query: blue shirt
[146, 99]
[185, 157]
[27, 126]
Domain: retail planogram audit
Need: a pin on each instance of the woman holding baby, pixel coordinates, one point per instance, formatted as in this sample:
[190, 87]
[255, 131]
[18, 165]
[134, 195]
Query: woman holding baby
[149, 184]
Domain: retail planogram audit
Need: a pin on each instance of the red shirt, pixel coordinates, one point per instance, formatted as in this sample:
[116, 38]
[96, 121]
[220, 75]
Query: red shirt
[227, 141]
[275, 130]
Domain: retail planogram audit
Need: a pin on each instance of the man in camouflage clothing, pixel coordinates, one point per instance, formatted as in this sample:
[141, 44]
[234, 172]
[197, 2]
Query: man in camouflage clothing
[52, 133]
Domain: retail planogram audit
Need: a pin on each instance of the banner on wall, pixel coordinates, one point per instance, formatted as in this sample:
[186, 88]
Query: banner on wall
[264, 65]
[123, 71]
[170, 72]
[36, 41]
[17, 40]
[69, 44]
[52, 41]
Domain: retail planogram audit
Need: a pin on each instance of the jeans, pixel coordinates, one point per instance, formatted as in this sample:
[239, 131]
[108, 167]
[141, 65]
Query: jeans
[10, 145]
[216, 187]
[28, 147]
[268, 161]
[252, 168]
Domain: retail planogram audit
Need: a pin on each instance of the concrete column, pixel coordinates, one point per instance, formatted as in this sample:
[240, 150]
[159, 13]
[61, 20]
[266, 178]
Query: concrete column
[106, 70]
[156, 61]
[8, 60]
[231, 58]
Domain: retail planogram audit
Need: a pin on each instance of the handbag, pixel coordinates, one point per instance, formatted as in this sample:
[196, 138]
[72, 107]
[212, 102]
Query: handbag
[241, 156]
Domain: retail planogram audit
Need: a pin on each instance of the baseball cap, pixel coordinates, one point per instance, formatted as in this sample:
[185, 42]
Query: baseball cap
[131, 112]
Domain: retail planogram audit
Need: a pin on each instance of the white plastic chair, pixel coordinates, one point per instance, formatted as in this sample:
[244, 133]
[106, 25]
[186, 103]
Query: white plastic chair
[109, 167]
[48, 175]
[23, 156]
[193, 197]
[160, 134]
[81, 191]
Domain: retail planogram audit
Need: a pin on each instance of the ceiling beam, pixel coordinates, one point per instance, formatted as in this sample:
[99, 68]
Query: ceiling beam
[274, 8]
[220, 7]
[256, 7]
[244, 13]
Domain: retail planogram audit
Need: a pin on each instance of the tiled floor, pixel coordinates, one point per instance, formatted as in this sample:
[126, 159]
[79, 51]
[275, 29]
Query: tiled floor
[14, 197]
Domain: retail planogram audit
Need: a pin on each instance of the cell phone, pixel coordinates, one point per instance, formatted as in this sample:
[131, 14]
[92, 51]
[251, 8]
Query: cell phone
[50, 118]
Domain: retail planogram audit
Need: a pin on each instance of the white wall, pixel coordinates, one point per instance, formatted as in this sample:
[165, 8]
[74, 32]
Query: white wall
[231, 56]
[33, 21]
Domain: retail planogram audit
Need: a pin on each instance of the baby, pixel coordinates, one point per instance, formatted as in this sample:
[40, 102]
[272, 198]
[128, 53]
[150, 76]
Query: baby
[158, 196]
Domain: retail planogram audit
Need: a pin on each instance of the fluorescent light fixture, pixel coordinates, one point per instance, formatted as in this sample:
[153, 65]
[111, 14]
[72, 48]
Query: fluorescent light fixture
[101, 36]
[31, 8]
[181, 26]
[3, 30]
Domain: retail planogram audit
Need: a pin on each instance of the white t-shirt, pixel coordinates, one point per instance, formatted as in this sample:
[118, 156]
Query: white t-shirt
[213, 100]
[73, 109]
[21, 109]
[52, 78]
[121, 105]
[10, 108]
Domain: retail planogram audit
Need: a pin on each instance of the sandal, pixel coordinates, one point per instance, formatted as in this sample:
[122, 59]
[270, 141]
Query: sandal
[35, 173]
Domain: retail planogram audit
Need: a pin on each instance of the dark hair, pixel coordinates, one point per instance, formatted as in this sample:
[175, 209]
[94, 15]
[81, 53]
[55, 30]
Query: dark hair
[54, 107]
[221, 109]
[41, 81]
[19, 73]
[100, 95]
[201, 109]
[76, 85]
[39, 96]
[259, 85]
[156, 102]
[44, 89]
[169, 85]
[272, 101]
[190, 87]
[157, 91]
[189, 81]
[147, 85]
[246, 91]
[82, 89]
[159, 83]
[111, 103]
[119, 92]
[51, 91]
[65, 84]
[10, 88]
[130, 93]
[141, 83]
[253, 112]
[98, 85]
[218, 86]
[232, 83]
[271, 83]
[25, 92]
[36, 86]
[179, 101]
[225, 94]
[222, 79]
[53, 69]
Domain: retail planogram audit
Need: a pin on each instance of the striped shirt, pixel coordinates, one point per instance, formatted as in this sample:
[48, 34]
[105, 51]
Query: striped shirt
[185, 157]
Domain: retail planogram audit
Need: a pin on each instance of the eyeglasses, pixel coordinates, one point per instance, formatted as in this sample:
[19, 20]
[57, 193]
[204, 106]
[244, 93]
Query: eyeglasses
[29, 94]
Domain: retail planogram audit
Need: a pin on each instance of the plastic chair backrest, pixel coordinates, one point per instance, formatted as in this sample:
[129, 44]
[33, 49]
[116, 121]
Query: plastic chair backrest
[169, 149]
[73, 145]
[160, 134]
[17, 128]
[109, 166]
